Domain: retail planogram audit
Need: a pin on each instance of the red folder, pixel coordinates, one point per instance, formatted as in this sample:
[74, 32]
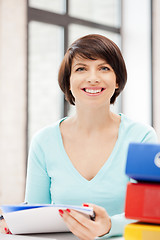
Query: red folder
[143, 202]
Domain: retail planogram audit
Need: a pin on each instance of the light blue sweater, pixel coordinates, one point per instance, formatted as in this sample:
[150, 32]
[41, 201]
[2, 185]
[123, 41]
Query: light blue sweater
[51, 176]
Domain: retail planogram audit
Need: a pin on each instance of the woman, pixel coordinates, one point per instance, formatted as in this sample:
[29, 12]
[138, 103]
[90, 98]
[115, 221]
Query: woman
[81, 159]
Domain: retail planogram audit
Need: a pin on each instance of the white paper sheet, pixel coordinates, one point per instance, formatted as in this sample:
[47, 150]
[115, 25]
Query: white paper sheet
[38, 220]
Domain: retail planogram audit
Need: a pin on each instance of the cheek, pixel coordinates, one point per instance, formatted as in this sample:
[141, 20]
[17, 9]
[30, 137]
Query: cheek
[74, 83]
[115, 85]
[111, 81]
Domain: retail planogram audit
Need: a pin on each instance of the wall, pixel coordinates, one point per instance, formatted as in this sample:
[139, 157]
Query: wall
[136, 45]
[156, 66]
[13, 22]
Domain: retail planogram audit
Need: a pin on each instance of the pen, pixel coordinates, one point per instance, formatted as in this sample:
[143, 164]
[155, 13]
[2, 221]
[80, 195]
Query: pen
[24, 203]
[93, 216]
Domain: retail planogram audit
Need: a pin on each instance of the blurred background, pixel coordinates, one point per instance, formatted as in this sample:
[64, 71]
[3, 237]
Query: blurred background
[34, 36]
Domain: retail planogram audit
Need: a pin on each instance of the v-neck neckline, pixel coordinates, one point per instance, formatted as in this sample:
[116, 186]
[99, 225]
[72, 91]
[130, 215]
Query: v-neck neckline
[102, 170]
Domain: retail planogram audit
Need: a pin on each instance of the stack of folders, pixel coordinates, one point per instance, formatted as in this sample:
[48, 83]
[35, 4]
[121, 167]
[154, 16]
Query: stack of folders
[143, 197]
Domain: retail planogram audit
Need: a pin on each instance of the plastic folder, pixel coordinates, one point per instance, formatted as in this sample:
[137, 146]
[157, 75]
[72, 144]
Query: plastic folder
[143, 202]
[139, 231]
[143, 162]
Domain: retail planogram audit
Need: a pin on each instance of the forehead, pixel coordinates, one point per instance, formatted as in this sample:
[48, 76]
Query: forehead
[80, 60]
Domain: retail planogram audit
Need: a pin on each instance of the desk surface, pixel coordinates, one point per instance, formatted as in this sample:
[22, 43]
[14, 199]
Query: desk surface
[53, 236]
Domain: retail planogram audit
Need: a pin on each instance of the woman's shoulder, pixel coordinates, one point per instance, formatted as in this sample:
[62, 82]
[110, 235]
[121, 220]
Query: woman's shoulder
[138, 130]
[128, 122]
[48, 132]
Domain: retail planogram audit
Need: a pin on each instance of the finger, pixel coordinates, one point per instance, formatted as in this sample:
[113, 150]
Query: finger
[102, 218]
[4, 230]
[76, 227]
[8, 231]
[82, 219]
[100, 211]
[3, 227]
[91, 226]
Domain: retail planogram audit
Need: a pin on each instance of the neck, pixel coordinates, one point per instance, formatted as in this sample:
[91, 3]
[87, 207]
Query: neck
[90, 120]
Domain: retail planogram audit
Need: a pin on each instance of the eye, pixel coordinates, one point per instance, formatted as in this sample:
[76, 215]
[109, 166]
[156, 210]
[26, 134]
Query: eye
[80, 69]
[104, 68]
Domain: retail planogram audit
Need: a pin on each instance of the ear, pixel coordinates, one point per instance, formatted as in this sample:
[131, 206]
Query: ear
[116, 86]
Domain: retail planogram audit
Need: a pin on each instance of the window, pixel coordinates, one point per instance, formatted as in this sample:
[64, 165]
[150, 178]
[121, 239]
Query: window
[52, 26]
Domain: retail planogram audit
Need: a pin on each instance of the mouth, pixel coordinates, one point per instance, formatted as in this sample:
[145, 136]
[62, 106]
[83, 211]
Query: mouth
[93, 91]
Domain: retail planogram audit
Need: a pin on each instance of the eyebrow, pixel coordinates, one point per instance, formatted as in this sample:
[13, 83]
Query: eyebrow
[83, 64]
[104, 63]
[80, 64]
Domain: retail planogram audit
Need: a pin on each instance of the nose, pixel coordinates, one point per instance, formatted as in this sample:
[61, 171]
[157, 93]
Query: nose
[92, 77]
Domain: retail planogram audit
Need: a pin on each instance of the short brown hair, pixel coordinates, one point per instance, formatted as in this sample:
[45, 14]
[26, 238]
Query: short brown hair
[92, 47]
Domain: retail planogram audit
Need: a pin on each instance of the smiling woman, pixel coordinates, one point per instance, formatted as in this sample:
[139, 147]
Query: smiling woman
[81, 159]
[92, 47]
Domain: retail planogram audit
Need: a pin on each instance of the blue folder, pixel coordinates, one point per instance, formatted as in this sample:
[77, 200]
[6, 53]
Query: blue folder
[143, 162]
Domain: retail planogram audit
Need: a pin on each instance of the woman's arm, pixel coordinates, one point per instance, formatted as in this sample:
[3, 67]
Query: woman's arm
[118, 223]
[38, 181]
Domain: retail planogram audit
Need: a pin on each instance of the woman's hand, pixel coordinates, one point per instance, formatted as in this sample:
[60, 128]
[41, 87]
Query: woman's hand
[3, 227]
[84, 228]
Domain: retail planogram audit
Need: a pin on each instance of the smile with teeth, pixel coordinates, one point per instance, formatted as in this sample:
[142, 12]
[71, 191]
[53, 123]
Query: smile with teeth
[93, 91]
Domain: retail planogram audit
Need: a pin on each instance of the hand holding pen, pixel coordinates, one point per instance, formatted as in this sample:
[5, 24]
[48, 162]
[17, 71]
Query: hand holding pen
[85, 228]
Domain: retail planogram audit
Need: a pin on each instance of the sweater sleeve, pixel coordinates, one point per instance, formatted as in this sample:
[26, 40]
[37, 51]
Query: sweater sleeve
[38, 181]
[150, 137]
[118, 223]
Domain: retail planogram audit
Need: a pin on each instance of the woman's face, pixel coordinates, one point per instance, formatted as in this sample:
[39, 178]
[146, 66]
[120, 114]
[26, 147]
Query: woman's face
[92, 81]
